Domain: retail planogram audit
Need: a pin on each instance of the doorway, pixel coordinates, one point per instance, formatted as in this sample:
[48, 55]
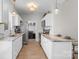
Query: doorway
[31, 30]
[31, 35]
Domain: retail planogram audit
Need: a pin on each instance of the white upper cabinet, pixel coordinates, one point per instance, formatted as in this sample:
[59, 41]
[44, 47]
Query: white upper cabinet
[14, 20]
[48, 19]
[4, 10]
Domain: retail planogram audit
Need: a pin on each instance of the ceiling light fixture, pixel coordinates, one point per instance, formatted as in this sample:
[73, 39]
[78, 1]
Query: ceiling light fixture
[13, 12]
[56, 9]
[32, 6]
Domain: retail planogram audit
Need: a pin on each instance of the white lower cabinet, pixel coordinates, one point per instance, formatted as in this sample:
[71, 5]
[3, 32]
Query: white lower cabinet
[56, 50]
[5, 50]
[17, 45]
[10, 49]
[47, 47]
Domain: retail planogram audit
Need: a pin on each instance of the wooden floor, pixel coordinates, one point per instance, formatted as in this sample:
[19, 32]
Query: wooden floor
[32, 51]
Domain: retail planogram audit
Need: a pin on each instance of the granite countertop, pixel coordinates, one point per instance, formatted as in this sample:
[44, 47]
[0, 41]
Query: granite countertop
[54, 38]
[11, 38]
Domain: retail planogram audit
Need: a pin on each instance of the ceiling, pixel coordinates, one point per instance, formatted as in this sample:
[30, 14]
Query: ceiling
[43, 7]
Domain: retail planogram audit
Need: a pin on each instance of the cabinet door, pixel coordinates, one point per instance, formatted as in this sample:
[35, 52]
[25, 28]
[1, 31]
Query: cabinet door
[7, 54]
[48, 48]
[48, 18]
[5, 50]
[42, 41]
[13, 20]
[16, 20]
[62, 50]
[17, 45]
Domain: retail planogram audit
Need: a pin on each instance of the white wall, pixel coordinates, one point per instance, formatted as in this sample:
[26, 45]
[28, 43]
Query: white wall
[0, 10]
[35, 18]
[32, 27]
[66, 21]
[37, 28]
